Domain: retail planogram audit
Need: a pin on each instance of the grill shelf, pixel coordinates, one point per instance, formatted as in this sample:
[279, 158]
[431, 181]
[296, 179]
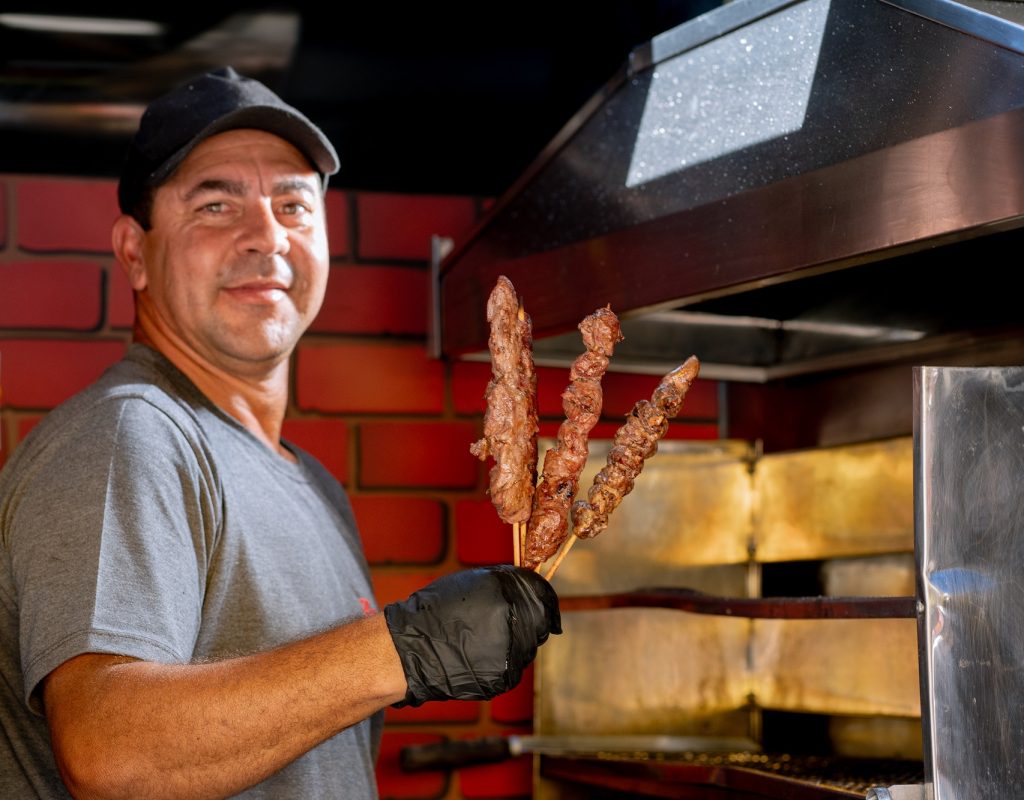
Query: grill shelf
[734, 775]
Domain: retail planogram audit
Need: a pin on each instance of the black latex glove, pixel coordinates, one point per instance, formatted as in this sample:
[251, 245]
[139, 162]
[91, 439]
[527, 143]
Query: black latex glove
[469, 635]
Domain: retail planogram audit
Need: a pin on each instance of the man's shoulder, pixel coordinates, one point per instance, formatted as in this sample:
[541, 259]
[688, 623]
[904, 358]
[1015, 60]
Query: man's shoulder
[141, 380]
[135, 399]
[129, 421]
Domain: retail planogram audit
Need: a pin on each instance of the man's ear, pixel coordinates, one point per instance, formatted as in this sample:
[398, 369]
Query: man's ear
[128, 238]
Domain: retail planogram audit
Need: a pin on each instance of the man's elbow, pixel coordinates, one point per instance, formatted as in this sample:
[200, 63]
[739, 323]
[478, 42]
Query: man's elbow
[95, 757]
[91, 768]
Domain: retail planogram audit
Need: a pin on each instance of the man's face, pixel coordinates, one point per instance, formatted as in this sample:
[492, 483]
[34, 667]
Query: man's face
[236, 260]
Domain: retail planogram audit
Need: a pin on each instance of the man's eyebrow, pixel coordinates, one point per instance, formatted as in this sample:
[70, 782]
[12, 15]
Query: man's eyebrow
[295, 185]
[233, 188]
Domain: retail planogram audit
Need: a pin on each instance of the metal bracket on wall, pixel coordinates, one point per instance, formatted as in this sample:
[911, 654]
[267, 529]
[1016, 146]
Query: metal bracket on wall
[440, 247]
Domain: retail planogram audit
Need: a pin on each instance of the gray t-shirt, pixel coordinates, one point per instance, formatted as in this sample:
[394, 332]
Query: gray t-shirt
[139, 519]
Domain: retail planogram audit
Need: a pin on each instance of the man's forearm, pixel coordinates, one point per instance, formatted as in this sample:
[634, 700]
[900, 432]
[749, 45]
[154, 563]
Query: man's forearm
[136, 729]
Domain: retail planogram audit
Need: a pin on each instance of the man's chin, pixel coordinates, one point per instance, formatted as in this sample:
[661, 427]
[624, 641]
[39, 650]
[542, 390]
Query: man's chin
[258, 348]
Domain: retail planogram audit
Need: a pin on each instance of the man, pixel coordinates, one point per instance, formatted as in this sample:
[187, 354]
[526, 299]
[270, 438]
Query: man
[182, 593]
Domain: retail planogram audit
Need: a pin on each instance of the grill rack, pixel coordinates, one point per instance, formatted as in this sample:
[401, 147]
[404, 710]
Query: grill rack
[733, 776]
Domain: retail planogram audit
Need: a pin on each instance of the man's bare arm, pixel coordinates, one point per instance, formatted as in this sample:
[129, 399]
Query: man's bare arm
[125, 728]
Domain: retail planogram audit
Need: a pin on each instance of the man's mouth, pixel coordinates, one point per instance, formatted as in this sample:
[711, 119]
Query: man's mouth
[265, 291]
[258, 280]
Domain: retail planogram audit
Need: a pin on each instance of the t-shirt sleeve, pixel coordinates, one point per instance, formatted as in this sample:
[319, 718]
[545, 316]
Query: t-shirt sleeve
[112, 535]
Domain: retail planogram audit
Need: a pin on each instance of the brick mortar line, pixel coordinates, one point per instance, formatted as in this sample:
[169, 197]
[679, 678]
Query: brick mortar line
[64, 334]
[53, 256]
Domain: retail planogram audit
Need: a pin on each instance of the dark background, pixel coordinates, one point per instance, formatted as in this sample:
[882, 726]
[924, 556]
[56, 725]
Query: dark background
[418, 97]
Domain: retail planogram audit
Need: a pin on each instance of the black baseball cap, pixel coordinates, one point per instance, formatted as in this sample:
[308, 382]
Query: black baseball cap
[209, 104]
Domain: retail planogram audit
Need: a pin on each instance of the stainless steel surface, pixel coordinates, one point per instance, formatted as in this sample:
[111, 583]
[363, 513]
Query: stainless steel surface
[842, 501]
[870, 576]
[660, 535]
[801, 195]
[698, 505]
[458, 753]
[876, 737]
[440, 246]
[631, 670]
[903, 792]
[647, 744]
[694, 602]
[652, 670]
[700, 512]
[969, 463]
[836, 666]
[982, 19]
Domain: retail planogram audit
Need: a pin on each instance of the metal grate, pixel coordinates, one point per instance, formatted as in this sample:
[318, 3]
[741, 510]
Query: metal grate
[755, 775]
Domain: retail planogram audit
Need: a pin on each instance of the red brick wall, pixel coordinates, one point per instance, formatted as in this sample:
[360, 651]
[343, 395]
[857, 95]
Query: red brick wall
[397, 436]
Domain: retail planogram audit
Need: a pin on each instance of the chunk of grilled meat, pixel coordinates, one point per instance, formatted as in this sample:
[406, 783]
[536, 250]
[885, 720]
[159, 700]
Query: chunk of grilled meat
[510, 422]
[635, 441]
[581, 401]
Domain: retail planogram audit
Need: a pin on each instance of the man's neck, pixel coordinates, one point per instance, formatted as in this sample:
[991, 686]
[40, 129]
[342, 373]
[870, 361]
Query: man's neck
[257, 399]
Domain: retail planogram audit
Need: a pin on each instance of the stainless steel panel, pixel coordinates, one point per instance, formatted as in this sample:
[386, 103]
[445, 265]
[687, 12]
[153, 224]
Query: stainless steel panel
[835, 502]
[876, 737]
[695, 506]
[651, 670]
[876, 576]
[900, 792]
[837, 666]
[645, 671]
[699, 507]
[693, 602]
[969, 461]
[687, 519]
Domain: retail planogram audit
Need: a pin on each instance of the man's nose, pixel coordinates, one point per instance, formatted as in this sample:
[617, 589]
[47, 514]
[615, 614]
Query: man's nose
[263, 232]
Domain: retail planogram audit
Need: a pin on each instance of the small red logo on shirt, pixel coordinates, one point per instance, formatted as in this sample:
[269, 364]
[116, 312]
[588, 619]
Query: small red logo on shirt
[367, 606]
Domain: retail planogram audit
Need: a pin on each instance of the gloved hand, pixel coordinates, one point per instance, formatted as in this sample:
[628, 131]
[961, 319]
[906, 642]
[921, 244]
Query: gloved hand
[469, 635]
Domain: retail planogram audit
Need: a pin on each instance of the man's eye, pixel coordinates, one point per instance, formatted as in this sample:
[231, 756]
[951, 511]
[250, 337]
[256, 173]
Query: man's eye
[214, 208]
[294, 209]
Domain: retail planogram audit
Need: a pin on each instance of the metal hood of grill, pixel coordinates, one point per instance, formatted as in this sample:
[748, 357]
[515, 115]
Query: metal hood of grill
[783, 188]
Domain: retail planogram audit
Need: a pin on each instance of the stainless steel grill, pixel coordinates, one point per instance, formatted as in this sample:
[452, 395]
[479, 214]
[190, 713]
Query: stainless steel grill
[816, 198]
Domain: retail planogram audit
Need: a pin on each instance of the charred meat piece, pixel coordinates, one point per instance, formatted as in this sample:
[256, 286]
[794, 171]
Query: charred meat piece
[510, 422]
[581, 401]
[634, 442]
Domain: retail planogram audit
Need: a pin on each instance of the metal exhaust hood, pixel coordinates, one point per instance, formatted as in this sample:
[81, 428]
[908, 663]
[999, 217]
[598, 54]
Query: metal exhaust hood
[784, 188]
